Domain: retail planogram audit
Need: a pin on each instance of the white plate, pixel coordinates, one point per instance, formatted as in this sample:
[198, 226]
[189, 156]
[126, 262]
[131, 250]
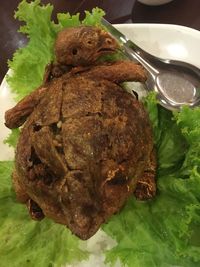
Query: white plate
[167, 41]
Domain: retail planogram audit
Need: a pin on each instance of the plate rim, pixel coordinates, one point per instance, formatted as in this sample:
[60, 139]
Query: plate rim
[159, 25]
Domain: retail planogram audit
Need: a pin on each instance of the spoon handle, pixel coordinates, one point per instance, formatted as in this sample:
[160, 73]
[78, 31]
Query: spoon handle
[131, 50]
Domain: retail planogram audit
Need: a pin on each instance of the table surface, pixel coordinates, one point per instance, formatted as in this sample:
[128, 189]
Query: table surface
[181, 12]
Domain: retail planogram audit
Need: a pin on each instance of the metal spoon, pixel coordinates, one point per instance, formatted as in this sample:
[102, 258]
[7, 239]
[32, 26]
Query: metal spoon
[176, 83]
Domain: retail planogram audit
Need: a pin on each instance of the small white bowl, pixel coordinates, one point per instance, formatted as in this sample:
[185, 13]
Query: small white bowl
[154, 2]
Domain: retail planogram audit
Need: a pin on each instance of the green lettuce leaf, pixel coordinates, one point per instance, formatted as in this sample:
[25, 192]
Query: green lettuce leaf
[28, 63]
[94, 18]
[66, 20]
[24, 242]
[11, 140]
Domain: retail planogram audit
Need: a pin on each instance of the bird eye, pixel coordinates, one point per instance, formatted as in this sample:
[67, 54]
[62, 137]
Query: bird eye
[74, 51]
[90, 42]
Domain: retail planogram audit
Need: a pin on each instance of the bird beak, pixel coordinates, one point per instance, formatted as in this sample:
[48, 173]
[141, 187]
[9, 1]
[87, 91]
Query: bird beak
[108, 44]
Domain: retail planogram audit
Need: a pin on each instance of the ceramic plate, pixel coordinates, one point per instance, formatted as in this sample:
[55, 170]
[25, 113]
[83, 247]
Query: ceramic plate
[166, 41]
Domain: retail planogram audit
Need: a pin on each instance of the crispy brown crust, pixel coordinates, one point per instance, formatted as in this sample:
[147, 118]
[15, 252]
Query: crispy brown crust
[17, 115]
[82, 46]
[86, 142]
[118, 72]
[103, 151]
[146, 184]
